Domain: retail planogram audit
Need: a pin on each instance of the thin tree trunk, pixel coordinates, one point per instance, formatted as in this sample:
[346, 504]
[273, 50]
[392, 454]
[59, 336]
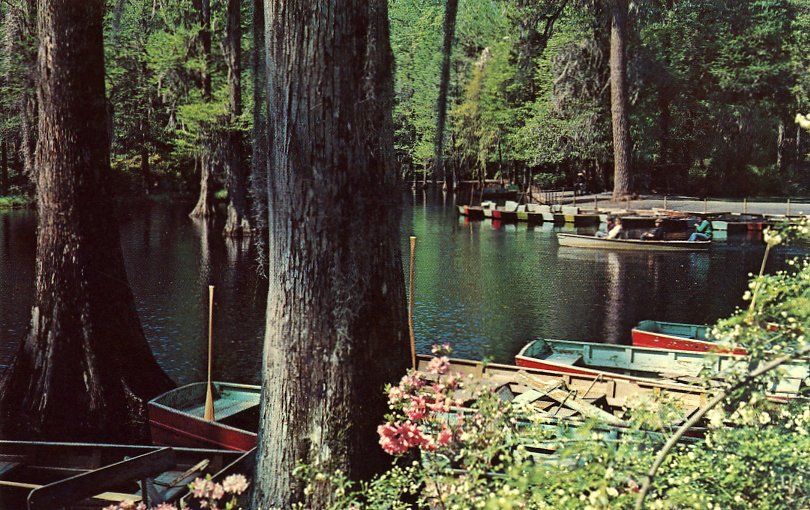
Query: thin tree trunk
[259, 135]
[336, 325]
[450, 10]
[237, 222]
[3, 166]
[622, 171]
[780, 148]
[21, 51]
[205, 202]
[84, 370]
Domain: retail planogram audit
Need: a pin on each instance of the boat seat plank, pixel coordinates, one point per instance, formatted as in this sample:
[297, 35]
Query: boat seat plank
[565, 358]
[528, 397]
[224, 408]
[6, 467]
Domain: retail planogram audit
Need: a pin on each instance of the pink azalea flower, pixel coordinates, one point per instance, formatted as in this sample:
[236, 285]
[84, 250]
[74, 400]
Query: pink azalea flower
[199, 488]
[445, 436]
[217, 491]
[441, 350]
[416, 411]
[395, 394]
[439, 365]
[390, 440]
[452, 382]
[165, 506]
[410, 382]
[235, 484]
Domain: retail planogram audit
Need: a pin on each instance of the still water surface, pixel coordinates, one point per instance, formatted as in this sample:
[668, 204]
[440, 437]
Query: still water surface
[484, 288]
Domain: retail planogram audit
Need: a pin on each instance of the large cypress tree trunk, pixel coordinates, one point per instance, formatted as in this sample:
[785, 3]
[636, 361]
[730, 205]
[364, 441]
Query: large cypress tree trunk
[336, 325]
[84, 370]
[259, 135]
[622, 171]
[237, 222]
[450, 10]
[205, 202]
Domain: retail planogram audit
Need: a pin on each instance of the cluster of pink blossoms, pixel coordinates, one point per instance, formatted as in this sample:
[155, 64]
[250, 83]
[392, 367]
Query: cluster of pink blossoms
[206, 491]
[420, 409]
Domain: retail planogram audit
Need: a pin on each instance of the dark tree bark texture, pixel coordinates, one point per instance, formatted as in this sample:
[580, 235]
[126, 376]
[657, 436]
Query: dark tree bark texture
[622, 171]
[205, 202]
[336, 323]
[84, 370]
[450, 11]
[237, 221]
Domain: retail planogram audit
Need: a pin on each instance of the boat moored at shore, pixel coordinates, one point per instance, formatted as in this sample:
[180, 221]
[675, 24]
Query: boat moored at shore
[684, 337]
[176, 417]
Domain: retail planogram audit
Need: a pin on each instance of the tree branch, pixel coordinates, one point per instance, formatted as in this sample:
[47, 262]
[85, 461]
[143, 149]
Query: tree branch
[700, 414]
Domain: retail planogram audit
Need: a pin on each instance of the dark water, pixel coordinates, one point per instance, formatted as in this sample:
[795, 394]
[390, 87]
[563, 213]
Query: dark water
[486, 289]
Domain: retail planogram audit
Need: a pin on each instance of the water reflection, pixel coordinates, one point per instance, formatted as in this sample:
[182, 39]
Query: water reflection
[485, 287]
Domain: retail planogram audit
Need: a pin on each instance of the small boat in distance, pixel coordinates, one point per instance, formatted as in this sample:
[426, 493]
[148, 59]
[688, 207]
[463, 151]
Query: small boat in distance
[176, 417]
[684, 337]
[601, 243]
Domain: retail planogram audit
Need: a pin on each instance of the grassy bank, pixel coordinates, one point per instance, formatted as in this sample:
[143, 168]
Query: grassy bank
[15, 202]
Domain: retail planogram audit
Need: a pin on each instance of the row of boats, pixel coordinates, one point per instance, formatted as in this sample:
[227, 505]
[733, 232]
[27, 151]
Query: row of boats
[673, 221]
[664, 357]
[561, 380]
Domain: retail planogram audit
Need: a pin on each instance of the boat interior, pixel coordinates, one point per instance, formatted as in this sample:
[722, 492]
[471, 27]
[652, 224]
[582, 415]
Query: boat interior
[235, 405]
[35, 475]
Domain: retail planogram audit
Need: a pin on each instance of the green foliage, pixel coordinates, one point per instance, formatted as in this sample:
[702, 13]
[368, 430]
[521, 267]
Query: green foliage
[14, 202]
[711, 83]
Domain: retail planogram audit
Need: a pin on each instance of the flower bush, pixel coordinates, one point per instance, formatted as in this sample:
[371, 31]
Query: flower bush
[207, 493]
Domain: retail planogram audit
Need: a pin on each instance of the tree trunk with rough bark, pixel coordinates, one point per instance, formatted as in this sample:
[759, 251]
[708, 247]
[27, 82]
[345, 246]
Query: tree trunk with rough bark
[336, 324]
[259, 136]
[450, 11]
[205, 202]
[84, 370]
[622, 171]
[237, 221]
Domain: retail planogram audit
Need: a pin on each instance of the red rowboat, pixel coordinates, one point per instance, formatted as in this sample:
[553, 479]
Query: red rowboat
[176, 417]
[683, 337]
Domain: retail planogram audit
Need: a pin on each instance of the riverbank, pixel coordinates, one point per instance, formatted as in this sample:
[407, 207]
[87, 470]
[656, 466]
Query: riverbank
[15, 202]
[694, 204]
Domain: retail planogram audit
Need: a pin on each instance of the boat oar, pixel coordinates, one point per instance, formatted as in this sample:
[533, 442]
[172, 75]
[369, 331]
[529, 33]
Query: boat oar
[209, 393]
[410, 302]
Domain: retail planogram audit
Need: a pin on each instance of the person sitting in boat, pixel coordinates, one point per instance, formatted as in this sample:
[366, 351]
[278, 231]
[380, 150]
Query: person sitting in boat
[616, 231]
[703, 230]
[656, 233]
[611, 222]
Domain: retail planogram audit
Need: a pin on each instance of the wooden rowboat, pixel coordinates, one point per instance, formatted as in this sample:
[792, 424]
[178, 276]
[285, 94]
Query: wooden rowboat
[40, 475]
[176, 417]
[618, 393]
[640, 363]
[581, 241]
[683, 337]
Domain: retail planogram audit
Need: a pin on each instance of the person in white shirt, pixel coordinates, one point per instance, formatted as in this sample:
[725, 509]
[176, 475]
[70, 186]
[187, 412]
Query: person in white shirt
[616, 230]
